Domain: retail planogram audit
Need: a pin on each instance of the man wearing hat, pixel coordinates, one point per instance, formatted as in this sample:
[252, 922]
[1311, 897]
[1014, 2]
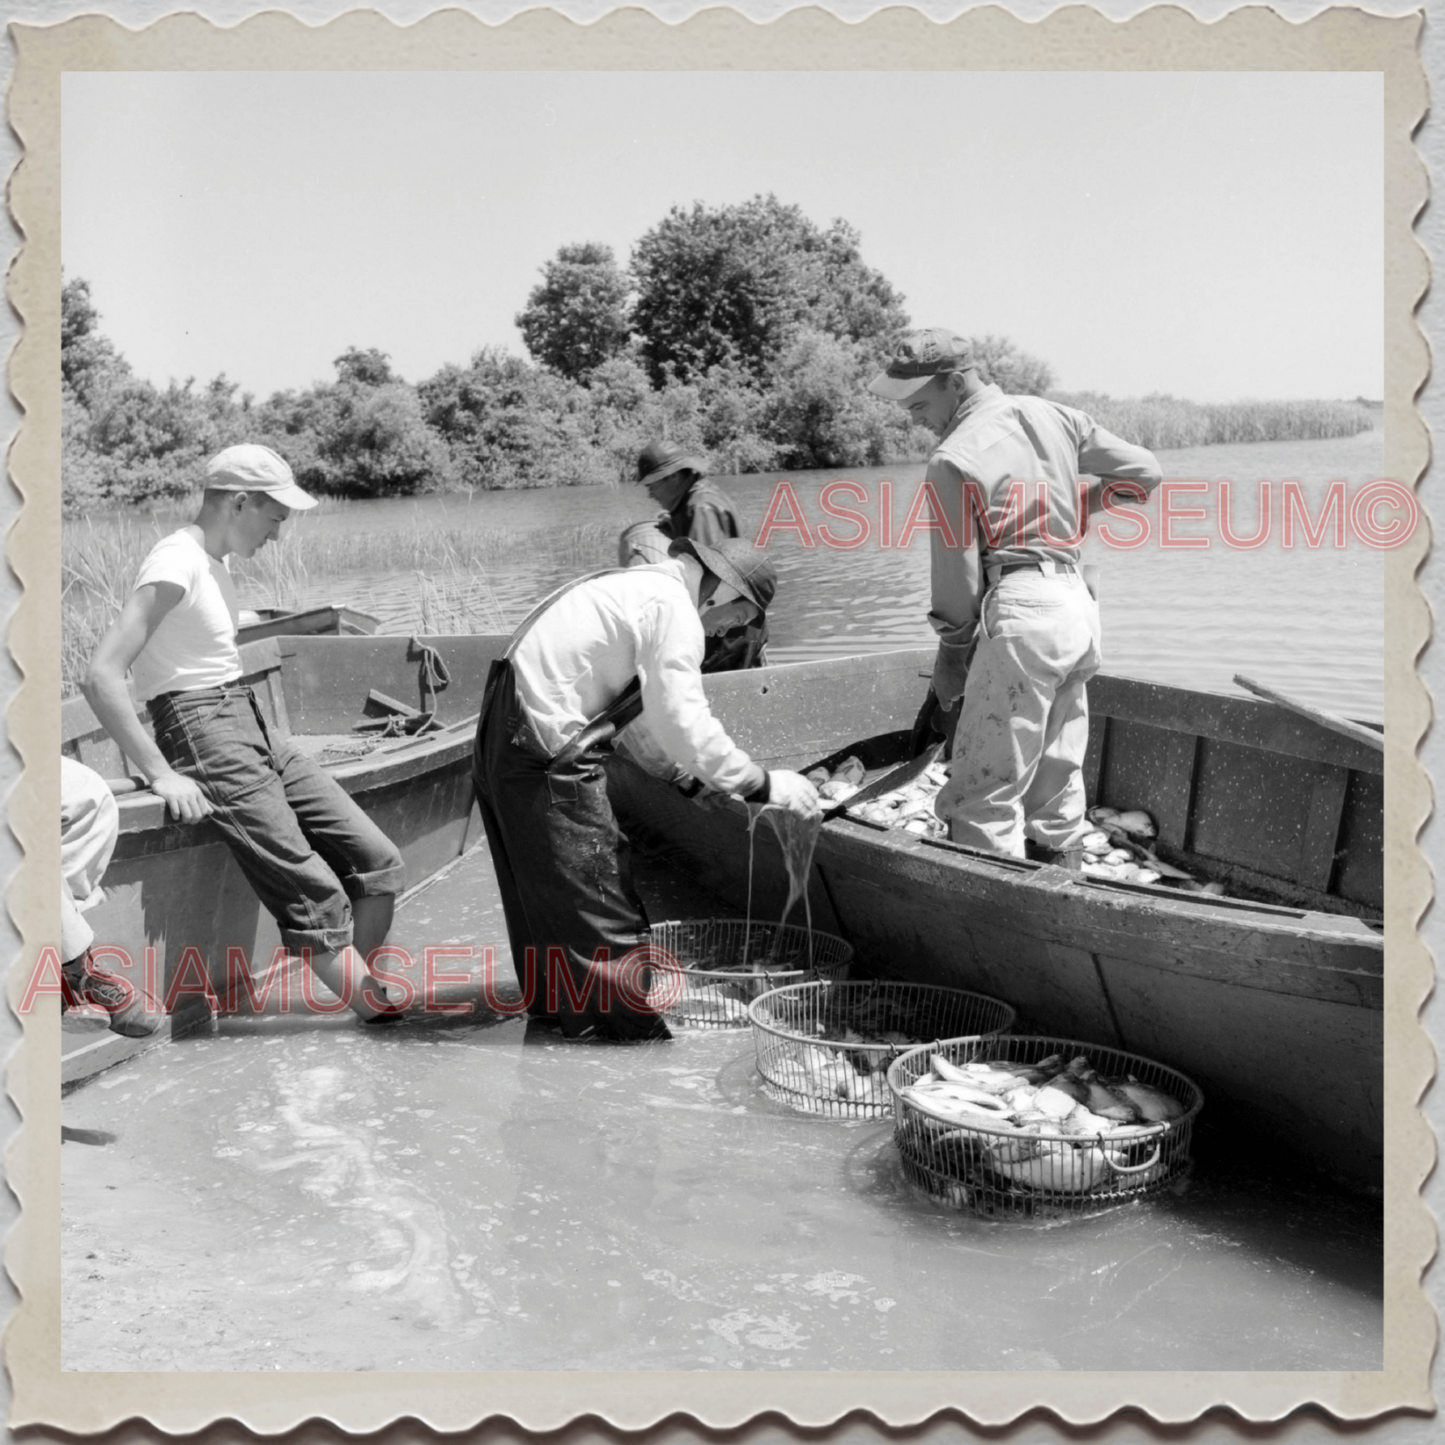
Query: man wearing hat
[326, 873]
[1018, 627]
[612, 649]
[691, 507]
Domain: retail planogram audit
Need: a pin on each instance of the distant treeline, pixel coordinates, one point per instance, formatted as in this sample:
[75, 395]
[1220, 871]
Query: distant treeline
[743, 332]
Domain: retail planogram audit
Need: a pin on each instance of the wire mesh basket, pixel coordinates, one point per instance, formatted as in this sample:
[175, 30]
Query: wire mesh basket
[725, 963]
[825, 1047]
[1000, 1161]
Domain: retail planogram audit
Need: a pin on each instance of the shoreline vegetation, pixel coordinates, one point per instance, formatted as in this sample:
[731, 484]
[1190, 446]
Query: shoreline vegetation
[746, 333]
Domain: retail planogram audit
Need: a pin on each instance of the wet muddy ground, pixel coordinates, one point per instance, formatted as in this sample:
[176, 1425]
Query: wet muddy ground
[295, 1193]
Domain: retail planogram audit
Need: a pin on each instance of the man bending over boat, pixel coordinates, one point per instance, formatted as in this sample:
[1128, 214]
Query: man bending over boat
[321, 867]
[613, 649]
[691, 507]
[1018, 626]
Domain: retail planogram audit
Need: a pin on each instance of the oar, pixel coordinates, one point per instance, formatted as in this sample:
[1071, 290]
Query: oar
[1330, 720]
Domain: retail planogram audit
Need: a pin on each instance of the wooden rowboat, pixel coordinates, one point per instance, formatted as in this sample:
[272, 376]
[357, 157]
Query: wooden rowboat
[171, 886]
[332, 620]
[1270, 997]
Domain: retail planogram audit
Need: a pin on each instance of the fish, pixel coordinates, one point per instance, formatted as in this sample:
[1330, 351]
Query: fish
[1154, 1105]
[1055, 1101]
[1137, 823]
[850, 770]
[947, 1070]
[1058, 1166]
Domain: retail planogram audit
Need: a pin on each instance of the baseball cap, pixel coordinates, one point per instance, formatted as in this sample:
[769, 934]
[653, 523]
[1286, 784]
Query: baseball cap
[918, 358]
[662, 459]
[736, 562]
[250, 467]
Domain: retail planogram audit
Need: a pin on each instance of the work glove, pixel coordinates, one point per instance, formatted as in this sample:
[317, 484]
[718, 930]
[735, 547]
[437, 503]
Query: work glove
[794, 792]
[950, 672]
[934, 723]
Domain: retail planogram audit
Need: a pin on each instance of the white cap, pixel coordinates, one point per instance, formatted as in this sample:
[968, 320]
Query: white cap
[250, 467]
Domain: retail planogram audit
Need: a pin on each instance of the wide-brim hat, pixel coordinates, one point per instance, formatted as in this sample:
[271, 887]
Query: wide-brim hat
[251, 467]
[661, 459]
[918, 358]
[736, 562]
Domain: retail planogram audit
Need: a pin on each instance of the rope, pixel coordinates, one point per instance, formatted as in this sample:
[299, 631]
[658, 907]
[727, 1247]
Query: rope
[434, 674]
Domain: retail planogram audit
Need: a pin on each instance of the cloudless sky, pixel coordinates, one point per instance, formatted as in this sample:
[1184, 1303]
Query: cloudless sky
[1214, 236]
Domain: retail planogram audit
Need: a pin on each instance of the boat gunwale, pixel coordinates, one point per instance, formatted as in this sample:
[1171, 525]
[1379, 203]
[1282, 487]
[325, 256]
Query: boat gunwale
[143, 811]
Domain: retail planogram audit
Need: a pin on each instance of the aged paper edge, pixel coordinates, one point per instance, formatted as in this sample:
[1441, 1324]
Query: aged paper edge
[1078, 38]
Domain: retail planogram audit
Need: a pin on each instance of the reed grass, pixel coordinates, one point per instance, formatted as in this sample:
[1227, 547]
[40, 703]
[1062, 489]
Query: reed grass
[100, 558]
[1166, 423]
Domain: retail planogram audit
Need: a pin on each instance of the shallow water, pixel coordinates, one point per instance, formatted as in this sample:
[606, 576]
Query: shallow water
[1308, 621]
[298, 1194]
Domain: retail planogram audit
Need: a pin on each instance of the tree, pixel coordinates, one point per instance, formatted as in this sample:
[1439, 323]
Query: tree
[819, 412]
[577, 318]
[510, 424]
[1002, 363]
[730, 286]
[89, 365]
[364, 368]
[363, 436]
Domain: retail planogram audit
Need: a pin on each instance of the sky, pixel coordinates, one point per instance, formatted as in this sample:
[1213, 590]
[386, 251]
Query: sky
[1211, 236]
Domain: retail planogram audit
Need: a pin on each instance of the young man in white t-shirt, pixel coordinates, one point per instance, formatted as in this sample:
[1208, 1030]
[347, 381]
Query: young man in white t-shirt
[322, 868]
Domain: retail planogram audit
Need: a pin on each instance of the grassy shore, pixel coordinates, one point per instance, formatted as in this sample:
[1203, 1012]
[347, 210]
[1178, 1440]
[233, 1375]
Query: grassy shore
[100, 557]
[1165, 423]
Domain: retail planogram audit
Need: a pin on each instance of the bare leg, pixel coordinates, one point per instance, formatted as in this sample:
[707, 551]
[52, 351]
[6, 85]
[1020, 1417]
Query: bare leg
[345, 975]
[371, 921]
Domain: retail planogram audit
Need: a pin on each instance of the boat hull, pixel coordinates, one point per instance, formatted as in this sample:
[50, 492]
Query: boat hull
[1275, 1011]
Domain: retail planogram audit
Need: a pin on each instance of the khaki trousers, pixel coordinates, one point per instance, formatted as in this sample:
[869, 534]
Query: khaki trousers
[1019, 749]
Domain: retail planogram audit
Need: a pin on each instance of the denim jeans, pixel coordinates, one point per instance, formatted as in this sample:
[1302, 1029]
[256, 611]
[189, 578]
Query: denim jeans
[302, 843]
[1019, 750]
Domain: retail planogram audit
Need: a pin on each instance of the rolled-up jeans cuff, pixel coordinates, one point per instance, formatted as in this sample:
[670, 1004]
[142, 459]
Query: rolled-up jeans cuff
[377, 883]
[318, 940]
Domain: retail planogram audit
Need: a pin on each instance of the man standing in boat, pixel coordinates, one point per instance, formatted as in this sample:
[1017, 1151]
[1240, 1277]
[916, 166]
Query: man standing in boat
[319, 865]
[1018, 626]
[595, 656]
[691, 507]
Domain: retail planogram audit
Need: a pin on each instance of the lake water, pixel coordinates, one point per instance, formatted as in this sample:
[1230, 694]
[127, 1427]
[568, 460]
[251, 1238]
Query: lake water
[310, 1194]
[1308, 621]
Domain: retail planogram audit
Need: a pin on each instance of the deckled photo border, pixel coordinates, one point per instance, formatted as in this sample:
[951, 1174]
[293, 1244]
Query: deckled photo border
[1078, 38]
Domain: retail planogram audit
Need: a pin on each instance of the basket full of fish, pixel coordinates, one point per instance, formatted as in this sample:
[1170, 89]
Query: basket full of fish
[1032, 1127]
[825, 1047]
[723, 964]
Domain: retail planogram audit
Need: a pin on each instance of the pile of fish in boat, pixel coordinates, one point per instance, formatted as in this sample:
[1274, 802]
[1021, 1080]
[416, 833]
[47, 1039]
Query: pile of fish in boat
[909, 807]
[1118, 848]
[1050, 1125]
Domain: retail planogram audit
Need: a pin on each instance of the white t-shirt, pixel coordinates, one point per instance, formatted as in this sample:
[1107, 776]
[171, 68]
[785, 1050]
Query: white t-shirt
[195, 644]
[594, 639]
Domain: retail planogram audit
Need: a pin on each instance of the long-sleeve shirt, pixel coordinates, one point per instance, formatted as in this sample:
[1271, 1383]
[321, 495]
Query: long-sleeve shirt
[588, 645]
[1010, 466]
